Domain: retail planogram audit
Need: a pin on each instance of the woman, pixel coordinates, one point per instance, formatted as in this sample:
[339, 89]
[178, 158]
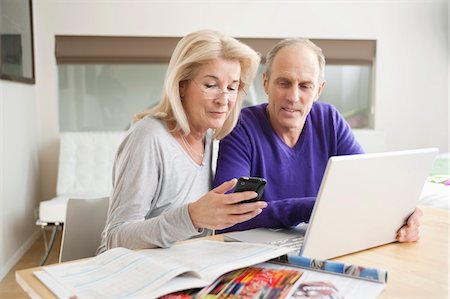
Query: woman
[162, 171]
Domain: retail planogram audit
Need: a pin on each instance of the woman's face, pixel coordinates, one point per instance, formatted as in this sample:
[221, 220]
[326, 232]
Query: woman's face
[211, 94]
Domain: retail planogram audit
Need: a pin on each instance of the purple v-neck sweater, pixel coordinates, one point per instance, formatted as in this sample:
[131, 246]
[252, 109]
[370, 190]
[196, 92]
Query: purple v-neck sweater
[293, 174]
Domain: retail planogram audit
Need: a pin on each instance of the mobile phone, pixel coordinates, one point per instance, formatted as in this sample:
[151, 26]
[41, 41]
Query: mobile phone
[251, 184]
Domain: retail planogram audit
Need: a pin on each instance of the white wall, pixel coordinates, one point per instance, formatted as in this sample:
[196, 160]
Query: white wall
[18, 171]
[412, 79]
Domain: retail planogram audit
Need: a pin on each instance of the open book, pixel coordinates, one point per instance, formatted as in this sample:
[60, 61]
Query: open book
[152, 273]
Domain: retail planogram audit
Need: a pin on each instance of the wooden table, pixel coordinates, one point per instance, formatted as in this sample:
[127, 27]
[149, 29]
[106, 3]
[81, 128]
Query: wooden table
[416, 270]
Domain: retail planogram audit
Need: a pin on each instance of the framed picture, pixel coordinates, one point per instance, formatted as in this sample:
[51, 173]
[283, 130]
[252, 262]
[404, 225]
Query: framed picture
[16, 41]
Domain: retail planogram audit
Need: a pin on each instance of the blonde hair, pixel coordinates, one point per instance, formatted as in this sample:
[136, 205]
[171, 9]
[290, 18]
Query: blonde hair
[192, 51]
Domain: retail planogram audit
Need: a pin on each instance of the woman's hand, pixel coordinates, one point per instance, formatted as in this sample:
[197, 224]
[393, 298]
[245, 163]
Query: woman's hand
[217, 210]
[410, 231]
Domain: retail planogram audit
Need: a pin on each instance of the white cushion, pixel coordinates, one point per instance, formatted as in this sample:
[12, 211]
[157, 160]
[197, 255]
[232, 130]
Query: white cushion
[53, 210]
[85, 170]
[85, 162]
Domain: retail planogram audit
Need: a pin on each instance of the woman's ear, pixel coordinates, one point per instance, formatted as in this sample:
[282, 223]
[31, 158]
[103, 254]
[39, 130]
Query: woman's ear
[182, 88]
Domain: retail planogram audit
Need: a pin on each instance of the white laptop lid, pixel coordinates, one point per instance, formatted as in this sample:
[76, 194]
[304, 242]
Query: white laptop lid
[364, 199]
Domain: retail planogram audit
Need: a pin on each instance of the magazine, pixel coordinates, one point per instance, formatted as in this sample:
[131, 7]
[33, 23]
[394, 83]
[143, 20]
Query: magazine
[276, 281]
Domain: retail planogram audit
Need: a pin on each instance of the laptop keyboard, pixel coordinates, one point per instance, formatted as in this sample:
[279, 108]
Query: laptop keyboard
[293, 242]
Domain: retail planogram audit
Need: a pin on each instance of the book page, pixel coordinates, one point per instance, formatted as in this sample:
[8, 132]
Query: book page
[347, 287]
[118, 272]
[60, 291]
[181, 283]
[213, 258]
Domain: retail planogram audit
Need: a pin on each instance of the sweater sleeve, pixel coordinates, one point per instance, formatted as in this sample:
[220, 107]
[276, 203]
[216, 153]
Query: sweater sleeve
[345, 140]
[137, 182]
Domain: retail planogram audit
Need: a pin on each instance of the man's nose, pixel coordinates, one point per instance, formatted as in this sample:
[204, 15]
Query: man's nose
[293, 94]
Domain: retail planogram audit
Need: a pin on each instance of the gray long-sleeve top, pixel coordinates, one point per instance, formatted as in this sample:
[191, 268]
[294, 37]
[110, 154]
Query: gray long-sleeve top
[153, 181]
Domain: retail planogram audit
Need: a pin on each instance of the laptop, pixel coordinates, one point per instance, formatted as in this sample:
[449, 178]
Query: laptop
[362, 201]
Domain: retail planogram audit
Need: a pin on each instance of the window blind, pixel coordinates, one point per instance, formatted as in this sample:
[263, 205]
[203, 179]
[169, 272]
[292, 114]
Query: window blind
[131, 49]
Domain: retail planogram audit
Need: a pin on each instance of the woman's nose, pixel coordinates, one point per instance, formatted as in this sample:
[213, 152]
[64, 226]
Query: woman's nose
[223, 98]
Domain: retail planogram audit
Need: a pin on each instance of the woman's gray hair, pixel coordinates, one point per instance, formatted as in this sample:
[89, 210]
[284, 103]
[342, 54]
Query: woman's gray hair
[192, 51]
[304, 42]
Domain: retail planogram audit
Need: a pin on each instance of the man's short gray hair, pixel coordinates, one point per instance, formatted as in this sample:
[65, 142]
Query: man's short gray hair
[304, 42]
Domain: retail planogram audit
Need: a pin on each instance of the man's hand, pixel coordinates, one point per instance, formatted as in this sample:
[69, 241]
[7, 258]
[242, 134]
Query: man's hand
[217, 210]
[410, 231]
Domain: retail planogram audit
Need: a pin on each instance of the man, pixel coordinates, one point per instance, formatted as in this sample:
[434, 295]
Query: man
[289, 140]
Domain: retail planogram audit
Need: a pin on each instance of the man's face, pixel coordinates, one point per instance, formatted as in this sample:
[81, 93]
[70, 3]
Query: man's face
[292, 88]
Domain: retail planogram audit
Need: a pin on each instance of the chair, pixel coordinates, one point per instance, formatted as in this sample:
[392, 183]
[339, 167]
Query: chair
[84, 171]
[83, 226]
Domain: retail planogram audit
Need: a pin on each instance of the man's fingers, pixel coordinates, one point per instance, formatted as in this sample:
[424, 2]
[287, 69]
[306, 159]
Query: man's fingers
[406, 234]
[410, 231]
[410, 238]
[415, 217]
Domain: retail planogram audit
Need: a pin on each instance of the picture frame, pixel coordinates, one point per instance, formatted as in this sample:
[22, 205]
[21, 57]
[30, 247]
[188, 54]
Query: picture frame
[17, 41]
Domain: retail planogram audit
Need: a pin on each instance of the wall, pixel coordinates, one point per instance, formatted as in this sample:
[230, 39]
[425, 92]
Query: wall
[412, 79]
[18, 171]
[18, 153]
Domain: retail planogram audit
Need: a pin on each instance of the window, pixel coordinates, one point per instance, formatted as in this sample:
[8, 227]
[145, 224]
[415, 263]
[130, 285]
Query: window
[105, 81]
[104, 97]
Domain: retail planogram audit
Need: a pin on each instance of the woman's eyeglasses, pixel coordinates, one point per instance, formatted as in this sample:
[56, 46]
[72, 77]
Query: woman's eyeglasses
[214, 92]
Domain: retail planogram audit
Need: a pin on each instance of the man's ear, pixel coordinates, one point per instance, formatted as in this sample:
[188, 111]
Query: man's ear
[319, 91]
[266, 83]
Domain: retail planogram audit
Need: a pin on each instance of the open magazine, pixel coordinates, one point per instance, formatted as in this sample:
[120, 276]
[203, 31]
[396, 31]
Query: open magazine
[150, 273]
[276, 280]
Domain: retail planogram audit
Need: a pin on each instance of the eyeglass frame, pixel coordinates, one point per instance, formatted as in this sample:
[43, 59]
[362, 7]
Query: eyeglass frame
[219, 91]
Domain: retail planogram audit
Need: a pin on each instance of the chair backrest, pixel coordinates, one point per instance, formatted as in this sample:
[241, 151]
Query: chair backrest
[85, 220]
[85, 163]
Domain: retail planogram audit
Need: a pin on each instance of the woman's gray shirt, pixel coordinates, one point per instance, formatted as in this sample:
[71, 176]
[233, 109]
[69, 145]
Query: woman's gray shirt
[153, 181]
